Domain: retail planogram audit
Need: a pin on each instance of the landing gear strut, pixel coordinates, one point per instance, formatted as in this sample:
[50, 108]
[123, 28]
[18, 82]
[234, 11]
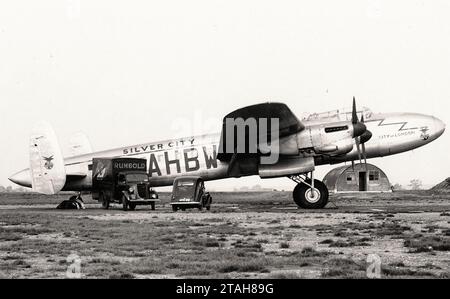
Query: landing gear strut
[309, 193]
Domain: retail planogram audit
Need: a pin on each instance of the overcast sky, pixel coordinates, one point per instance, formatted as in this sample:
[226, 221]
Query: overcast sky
[132, 71]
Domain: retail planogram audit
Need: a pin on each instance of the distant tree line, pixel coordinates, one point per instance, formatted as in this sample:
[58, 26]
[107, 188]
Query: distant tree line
[10, 189]
[414, 184]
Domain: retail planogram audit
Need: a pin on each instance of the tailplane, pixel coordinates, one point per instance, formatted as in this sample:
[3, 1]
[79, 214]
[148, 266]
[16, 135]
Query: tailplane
[80, 145]
[47, 168]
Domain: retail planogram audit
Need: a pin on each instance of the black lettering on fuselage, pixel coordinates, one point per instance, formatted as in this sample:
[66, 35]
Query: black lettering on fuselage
[210, 161]
[169, 162]
[194, 159]
[153, 167]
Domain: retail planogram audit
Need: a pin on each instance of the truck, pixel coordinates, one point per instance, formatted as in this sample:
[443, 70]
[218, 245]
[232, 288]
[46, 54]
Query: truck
[189, 192]
[122, 180]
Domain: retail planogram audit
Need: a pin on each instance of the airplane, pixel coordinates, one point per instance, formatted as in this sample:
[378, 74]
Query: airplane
[318, 139]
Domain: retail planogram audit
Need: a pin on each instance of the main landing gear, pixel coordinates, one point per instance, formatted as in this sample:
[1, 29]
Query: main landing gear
[75, 202]
[309, 193]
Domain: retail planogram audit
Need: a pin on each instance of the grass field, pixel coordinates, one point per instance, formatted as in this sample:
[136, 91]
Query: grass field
[246, 235]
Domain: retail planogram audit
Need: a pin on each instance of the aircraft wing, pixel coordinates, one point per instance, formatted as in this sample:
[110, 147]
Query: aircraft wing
[289, 125]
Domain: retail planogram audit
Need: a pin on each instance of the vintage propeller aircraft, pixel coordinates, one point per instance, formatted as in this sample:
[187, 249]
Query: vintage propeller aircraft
[301, 145]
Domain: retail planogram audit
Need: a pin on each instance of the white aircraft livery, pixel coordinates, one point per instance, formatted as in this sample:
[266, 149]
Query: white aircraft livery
[301, 145]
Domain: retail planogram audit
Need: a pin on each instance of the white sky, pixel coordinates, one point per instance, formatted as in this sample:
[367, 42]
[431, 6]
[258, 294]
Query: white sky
[131, 71]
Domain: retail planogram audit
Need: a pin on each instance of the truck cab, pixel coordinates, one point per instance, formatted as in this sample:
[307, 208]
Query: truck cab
[124, 181]
[189, 192]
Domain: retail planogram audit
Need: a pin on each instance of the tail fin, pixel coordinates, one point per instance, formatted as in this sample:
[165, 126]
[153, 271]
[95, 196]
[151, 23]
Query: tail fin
[47, 168]
[80, 145]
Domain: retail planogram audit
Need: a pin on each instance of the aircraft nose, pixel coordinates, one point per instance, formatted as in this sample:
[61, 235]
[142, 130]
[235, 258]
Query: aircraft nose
[22, 178]
[439, 127]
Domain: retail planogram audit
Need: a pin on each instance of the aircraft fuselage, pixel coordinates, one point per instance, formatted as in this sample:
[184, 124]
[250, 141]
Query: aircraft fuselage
[392, 133]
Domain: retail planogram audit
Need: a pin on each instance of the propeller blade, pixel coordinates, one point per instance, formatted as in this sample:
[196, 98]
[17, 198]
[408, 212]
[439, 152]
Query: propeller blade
[362, 117]
[359, 149]
[358, 127]
[363, 146]
[353, 165]
[354, 114]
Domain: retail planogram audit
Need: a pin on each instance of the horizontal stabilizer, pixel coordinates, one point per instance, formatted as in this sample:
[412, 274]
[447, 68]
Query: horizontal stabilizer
[80, 145]
[46, 162]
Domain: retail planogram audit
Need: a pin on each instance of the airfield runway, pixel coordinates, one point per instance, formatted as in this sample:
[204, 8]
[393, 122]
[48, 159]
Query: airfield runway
[245, 235]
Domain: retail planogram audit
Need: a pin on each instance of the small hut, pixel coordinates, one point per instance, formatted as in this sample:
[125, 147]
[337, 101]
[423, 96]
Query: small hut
[357, 179]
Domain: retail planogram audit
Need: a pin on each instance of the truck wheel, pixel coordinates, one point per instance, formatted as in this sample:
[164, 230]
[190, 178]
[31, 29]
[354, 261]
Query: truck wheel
[153, 206]
[132, 206]
[125, 203]
[174, 208]
[104, 201]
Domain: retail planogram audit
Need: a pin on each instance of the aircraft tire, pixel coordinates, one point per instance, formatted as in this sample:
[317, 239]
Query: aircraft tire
[132, 206]
[306, 199]
[153, 206]
[174, 208]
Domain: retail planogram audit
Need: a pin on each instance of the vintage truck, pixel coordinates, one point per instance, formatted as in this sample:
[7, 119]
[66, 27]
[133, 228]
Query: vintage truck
[122, 180]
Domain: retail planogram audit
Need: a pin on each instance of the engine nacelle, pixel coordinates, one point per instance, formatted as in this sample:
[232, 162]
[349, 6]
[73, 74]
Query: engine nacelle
[330, 139]
[341, 147]
[286, 166]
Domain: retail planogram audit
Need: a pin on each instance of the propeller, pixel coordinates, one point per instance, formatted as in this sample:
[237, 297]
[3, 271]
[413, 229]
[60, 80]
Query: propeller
[358, 127]
[361, 135]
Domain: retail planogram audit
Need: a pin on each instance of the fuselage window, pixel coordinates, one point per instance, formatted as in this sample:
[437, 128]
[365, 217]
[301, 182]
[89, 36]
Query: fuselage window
[336, 129]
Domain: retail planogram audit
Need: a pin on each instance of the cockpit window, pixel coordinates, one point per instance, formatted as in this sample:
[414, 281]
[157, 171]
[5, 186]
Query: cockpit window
[344, 114]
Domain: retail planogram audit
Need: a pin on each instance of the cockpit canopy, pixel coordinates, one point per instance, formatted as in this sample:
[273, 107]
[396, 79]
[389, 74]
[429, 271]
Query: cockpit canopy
[344, 114]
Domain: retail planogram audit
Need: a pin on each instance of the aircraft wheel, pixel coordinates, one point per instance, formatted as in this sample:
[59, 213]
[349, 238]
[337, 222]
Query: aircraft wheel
[153, 206]
[306, 198]
[174, 208]
[132, 206]
[104, 201]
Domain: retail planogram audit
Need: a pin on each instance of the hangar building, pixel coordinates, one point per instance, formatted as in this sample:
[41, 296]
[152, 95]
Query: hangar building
[359, 179]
